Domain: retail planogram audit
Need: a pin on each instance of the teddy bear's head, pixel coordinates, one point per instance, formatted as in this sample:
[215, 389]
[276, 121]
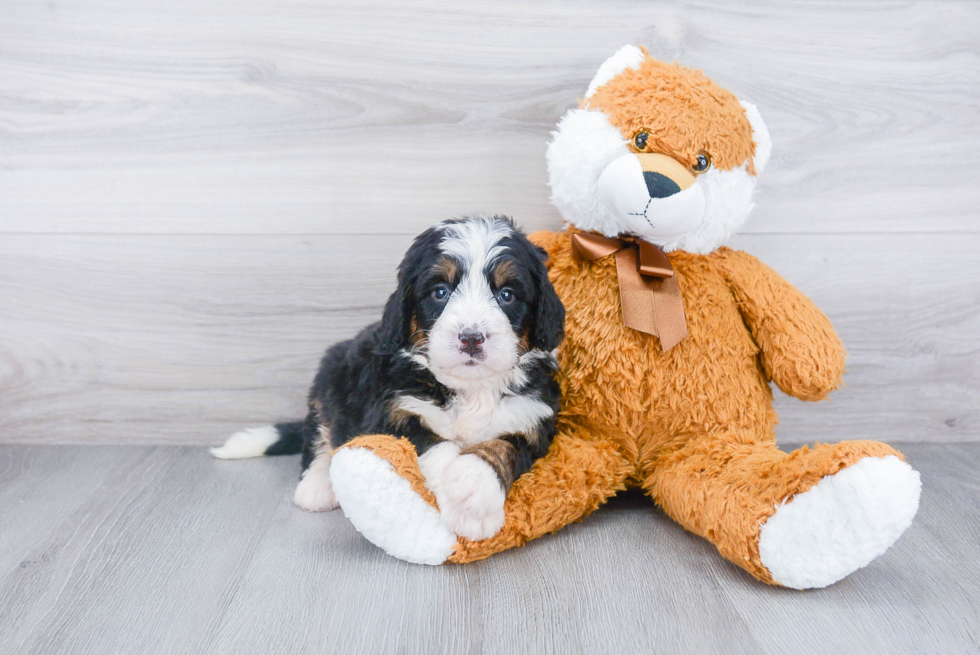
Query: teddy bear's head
[659, 151]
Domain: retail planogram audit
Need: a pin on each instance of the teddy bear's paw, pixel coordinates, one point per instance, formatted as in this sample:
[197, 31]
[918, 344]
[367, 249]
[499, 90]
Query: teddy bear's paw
[471, 498]
[383, 506]
[840, 524]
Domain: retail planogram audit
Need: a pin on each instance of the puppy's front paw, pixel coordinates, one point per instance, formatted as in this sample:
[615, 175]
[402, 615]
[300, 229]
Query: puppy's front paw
[471, 500]
[314, 492]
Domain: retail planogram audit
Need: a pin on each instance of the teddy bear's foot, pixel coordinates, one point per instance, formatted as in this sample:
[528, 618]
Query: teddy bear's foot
[840, 524]
[383, 503]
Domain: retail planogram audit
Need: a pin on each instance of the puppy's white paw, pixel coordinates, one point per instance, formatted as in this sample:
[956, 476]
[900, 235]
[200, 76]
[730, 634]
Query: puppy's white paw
[314, 493]
[471, 500]
[433, 462]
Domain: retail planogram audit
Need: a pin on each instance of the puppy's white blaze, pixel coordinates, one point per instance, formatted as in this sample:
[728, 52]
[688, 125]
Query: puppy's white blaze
[247, 443]
[467, 240]
[471, 500]
[472, 306]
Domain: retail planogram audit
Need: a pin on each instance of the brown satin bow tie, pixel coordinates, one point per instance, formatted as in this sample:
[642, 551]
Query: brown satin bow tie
[648, 289]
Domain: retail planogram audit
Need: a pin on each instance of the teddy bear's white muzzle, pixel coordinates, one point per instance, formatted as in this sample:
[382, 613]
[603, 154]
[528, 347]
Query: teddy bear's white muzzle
[627, 195]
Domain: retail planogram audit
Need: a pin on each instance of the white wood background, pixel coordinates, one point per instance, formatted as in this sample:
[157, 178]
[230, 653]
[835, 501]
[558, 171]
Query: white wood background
[197, 197]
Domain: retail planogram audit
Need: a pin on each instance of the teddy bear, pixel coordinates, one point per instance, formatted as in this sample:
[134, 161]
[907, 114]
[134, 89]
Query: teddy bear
[672, 343]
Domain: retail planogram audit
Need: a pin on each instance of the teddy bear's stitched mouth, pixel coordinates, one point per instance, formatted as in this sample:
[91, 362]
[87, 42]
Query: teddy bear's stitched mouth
[644, 212]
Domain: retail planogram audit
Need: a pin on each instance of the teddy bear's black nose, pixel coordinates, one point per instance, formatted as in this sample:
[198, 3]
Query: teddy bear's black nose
[659, 186]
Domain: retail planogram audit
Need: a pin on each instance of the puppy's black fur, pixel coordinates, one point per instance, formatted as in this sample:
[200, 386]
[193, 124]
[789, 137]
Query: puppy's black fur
[358, 380]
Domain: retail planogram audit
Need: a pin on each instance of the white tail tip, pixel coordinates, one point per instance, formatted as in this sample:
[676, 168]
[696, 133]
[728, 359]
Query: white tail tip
[252, 442]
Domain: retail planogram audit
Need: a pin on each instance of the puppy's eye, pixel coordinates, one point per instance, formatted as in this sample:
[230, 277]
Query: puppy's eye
[640, 140]
[441, 292]
[701, 162]
[505, 296]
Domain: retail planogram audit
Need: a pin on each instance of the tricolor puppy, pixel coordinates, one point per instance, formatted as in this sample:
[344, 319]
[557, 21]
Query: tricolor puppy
[462, 364]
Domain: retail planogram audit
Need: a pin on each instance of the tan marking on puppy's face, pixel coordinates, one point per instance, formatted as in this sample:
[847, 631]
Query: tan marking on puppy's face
[500, 455]
[448, 268]
[504, 272]
[682, 111]
[416, 334]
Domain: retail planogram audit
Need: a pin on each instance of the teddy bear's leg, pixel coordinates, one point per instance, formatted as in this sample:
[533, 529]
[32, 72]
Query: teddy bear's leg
[579, 473]
[376, 480]
[802, 519]
[380, 488]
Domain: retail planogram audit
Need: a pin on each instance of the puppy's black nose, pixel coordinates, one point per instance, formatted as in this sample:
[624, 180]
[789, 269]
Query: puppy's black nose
[659, 186]
[471, 341]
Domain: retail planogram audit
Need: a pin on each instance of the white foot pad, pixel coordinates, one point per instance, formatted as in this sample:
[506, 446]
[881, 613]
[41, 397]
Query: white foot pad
[841, 523]
[385, 509]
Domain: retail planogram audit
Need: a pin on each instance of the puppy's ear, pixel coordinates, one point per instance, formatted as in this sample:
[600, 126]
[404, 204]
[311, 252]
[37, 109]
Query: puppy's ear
[394, 333]
[549, 315]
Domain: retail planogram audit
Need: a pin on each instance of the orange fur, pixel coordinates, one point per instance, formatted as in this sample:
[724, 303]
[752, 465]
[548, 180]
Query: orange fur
[683, 111]
[695, 426]
[401, 454]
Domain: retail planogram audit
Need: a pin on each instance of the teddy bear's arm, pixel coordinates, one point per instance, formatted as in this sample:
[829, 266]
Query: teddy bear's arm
[800, 351]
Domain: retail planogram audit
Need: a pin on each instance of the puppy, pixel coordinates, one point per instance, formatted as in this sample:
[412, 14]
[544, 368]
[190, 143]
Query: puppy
[462, 364]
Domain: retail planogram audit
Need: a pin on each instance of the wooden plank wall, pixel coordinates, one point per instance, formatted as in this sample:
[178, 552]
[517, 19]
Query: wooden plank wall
[196, 197]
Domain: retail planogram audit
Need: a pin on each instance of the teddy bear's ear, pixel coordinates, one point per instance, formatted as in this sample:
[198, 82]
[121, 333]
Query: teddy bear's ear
[629, 56]
[760, 135]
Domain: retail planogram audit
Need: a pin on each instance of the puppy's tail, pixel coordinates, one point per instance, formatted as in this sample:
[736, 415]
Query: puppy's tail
[278, 439]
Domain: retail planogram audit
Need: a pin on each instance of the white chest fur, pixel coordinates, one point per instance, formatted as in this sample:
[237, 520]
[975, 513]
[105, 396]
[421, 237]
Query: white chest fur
[477, 415]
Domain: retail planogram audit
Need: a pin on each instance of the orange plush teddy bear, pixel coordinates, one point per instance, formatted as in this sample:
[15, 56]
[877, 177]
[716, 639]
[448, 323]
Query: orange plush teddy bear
[671, 342]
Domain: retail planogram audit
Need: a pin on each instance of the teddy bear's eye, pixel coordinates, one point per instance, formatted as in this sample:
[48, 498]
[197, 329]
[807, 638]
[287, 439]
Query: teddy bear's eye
[640, 141]
[701, 162]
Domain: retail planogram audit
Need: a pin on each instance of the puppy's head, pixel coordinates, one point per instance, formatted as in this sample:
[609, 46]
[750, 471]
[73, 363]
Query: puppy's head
[473, 296]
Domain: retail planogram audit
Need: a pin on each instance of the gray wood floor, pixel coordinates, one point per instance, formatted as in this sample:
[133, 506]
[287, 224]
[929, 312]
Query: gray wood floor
[141, 549]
